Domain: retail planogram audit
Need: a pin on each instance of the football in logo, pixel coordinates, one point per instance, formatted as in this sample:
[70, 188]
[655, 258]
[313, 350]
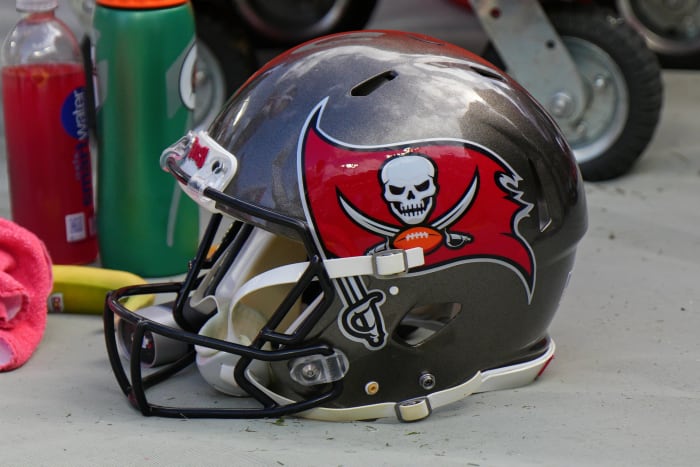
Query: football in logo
[422, 236]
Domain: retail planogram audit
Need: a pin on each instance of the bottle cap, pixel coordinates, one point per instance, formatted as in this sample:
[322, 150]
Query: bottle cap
[140, 4]
[37, 5]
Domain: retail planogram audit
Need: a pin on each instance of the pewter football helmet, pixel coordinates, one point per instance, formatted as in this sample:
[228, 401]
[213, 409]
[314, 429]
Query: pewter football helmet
[402, 220]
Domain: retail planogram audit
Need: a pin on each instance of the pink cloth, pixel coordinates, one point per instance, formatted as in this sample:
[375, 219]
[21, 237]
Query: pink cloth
[25, 284]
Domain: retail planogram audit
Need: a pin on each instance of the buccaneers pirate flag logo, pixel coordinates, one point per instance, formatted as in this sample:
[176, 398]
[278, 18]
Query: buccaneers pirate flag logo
[457, 200]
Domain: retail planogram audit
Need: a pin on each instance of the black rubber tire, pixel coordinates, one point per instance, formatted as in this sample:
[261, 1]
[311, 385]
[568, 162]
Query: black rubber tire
[640, 71]
[285, 23]
[671, 47]
[226, 39]
[642, 75]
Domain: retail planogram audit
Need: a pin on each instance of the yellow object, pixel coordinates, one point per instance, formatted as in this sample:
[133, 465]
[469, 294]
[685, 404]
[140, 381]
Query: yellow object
[82, 289]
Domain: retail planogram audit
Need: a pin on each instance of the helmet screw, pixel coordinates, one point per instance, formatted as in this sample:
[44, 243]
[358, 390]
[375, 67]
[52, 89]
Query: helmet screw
[580, 130]
[217, 167]
[561, 105]
[427, 381]
[372, 388]
[310, 371]
[600, 82]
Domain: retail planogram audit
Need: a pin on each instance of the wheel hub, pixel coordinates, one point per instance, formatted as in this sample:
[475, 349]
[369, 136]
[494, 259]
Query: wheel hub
[605, 113]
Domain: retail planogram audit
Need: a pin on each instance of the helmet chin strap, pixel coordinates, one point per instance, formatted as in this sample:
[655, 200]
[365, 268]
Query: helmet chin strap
[216, 367]
[412, 410]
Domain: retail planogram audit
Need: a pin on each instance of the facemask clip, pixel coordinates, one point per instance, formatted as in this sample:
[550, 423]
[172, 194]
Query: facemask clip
[319, 369]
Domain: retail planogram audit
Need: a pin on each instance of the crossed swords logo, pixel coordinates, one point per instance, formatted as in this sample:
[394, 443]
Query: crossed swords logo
[362, 319]
[442, 224]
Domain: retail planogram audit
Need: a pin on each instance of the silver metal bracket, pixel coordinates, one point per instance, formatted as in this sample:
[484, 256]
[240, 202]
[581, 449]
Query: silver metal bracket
[534, 54]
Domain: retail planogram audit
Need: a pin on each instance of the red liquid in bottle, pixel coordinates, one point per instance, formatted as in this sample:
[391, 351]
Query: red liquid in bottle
[48, 158]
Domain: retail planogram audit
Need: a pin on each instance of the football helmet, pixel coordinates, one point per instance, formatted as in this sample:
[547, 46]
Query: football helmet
[394, 221]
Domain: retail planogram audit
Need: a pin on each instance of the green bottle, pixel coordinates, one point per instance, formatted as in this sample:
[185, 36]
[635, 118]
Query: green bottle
[144, 54]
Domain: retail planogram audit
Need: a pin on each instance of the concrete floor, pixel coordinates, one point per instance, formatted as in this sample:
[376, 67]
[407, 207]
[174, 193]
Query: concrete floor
[622, 391]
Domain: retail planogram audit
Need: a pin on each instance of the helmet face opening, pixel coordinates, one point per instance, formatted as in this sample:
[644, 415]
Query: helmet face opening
[401, 223]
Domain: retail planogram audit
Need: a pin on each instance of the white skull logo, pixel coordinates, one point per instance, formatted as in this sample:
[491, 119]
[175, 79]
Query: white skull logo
[409, 187]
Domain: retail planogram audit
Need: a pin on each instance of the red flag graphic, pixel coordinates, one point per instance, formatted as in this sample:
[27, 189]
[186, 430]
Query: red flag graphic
[456, 198]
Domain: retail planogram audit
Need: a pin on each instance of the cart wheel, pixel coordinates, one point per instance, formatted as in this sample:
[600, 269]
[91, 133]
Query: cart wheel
[283, 23]
[622, 79]
[225, 60]
[670, 28]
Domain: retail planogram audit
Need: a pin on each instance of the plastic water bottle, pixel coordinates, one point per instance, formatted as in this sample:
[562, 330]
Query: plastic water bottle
[46, 131]
[144, 55]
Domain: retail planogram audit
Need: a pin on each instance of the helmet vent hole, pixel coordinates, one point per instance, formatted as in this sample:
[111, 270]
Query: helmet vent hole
[425, 39]
[366, 88]
[423, 322]
[487, 73]
[544, 216]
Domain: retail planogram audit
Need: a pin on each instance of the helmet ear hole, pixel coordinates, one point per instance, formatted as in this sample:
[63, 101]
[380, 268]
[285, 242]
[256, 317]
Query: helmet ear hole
[423, 322]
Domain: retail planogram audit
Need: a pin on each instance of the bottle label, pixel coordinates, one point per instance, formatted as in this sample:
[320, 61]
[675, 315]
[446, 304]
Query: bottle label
[74, 121]
[187, 78]
[73, 115]
[76, 229]
[180, 76]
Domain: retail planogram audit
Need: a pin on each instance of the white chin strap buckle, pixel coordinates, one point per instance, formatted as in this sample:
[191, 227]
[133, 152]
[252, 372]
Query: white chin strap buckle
[413, 410]
[383, 264]
[390, 262]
